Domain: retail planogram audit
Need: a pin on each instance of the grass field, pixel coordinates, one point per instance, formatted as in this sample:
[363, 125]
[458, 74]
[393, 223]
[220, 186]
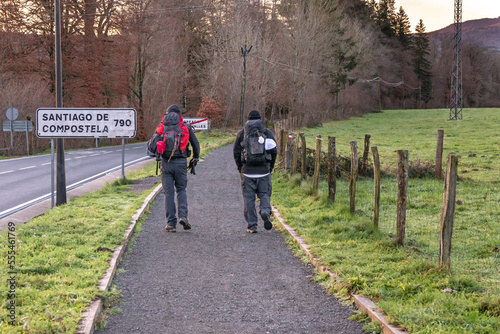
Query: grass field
[54, 258]
[406, 282]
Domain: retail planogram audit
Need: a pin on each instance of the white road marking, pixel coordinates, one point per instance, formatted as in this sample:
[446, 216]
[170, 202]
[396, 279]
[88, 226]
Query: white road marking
[29, 167]
[47, 163]
[8, 171]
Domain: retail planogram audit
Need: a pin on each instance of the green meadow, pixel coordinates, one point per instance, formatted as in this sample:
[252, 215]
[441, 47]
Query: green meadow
[406, 282]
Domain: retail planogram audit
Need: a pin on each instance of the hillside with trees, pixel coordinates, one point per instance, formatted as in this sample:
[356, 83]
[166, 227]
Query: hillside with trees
[485, 32]
[316, 59]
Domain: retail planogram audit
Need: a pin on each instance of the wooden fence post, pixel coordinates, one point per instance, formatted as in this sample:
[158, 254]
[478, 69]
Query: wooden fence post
[376, 179]
[439, 154]
[317, 162]
[303, 156]
[288, 154]
[402, 179]
[295, 153]
[364, 166]
[354, 173]
[283, 139]
[332, 169]
[448, 211]
[277, 134]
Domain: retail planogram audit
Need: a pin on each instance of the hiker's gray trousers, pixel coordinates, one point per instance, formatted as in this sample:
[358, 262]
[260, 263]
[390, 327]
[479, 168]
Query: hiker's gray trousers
[261, 187]
[174, 180]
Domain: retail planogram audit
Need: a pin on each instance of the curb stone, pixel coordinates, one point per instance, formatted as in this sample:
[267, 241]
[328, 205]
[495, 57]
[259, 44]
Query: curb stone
[362, 303]
[89, 316]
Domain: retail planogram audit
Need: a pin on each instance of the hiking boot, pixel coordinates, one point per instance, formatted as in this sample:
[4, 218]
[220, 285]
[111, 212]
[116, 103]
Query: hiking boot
[267, 221]
[169, 228]
[184, 223]
[252, 229]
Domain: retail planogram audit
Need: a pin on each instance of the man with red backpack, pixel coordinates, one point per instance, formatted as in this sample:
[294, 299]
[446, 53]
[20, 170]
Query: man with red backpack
[170, 144]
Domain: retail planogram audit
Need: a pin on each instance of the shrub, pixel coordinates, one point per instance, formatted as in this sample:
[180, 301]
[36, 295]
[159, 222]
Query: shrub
[211, 109]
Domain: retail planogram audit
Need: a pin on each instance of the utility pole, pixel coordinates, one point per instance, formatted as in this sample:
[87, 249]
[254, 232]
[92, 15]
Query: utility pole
[244, 53]
[456, 94]
[61, 174]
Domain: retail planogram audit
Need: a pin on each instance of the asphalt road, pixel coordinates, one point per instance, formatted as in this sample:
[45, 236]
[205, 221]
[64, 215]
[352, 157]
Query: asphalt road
[25, 180]
[216, 278]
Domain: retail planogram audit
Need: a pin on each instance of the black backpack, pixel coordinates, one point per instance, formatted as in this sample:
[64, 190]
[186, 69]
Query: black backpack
[254, 140]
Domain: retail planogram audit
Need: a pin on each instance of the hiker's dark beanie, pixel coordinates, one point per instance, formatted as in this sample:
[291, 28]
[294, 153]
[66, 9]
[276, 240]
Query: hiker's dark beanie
[174, 108]
[254, 114]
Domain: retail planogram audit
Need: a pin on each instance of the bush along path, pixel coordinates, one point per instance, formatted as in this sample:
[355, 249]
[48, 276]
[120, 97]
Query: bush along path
[217, 278]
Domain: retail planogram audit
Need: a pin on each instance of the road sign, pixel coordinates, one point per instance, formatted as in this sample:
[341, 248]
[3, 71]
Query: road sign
[85, 123]
[198, 124]
[17, 126]
[12, 113]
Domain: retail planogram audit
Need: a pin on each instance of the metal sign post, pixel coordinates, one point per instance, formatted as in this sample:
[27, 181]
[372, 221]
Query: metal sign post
[27, 140]
[123, 158]
[61, 169]
[12, 114]
[52, 181]
[18, 126]
[12, 136]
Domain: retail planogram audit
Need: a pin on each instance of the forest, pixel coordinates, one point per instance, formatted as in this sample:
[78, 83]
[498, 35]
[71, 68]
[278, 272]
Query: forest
[318, 60]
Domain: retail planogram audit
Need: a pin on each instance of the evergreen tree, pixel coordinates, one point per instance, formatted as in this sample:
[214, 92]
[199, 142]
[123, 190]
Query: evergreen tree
[372, 9]
[386, 16]
[422, 65]
[403, 28]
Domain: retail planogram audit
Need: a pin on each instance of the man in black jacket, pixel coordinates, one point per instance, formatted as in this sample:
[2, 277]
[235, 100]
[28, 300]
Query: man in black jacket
[255, 153]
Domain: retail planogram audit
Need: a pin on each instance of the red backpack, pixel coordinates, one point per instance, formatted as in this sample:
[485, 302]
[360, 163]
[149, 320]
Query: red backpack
[174, 137]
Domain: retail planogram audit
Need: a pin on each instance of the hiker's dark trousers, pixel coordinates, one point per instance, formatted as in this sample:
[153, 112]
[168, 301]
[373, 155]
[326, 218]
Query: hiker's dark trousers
[261, 187]
[174, 180]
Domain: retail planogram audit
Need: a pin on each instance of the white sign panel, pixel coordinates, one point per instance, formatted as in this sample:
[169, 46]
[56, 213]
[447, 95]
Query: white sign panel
[17, 126]
[85, 123]
[198, 124]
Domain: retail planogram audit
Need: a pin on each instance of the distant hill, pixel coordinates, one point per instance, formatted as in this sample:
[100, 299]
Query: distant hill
[486, 32]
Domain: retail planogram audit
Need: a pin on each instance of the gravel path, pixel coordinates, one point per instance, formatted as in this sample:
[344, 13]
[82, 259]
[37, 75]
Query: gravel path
[216, 278]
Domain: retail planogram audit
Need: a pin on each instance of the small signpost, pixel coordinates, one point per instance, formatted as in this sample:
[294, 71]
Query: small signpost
[17, 126]
[86, 123]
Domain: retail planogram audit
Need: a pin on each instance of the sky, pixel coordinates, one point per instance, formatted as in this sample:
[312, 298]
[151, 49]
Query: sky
[437, 14]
